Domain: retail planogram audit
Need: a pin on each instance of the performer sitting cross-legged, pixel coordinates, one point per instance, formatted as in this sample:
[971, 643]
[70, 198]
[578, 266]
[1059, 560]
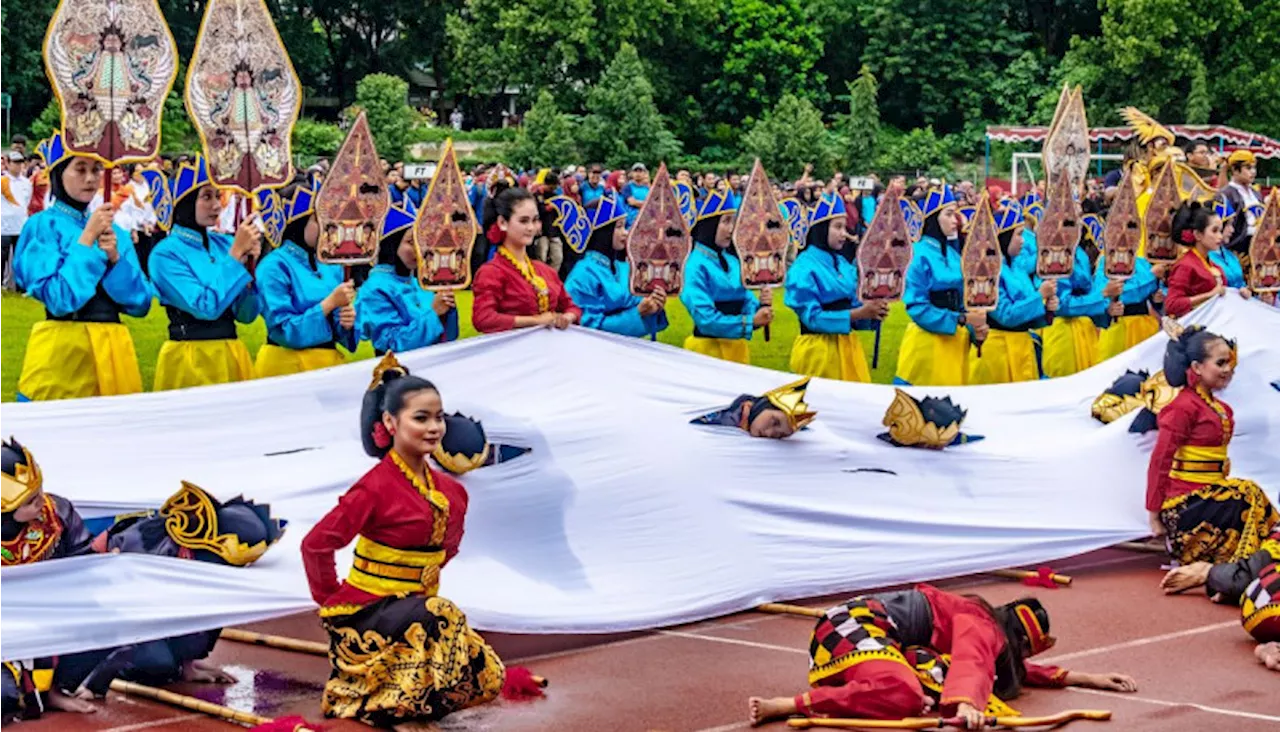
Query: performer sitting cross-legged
[1208, 516]
[899, 654]
[400, 652]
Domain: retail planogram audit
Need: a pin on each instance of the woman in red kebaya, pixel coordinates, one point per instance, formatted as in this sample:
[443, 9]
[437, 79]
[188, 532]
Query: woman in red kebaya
[512, 290]
[400, 652]
[1207, 515]
[1195, 279]
[900, 654]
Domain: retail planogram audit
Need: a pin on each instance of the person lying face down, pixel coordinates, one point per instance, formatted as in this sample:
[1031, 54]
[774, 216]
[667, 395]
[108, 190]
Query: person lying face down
[777, 414]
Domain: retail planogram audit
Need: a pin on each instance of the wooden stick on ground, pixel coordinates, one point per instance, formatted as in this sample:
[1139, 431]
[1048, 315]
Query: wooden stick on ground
[188, 702]
[297, 645]
[778, 608]
[941, 723]
[1142, 546]
[1019, 574]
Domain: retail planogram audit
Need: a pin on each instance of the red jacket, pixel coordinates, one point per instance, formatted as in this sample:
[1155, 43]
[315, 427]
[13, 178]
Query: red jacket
[502, 293]
[1187, 420]
[1191, 275]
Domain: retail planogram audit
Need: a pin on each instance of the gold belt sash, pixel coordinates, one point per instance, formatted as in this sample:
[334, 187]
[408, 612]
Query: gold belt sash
[1201, 464]
[383, 570]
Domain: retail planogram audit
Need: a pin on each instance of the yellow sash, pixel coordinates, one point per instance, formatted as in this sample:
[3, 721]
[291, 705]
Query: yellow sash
[383, 570]
[1201, 464]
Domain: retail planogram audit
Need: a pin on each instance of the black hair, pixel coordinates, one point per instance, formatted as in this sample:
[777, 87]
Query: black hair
[387, 397]
[505, 204]
[1191, 216]
[1190, 347]
[389, 251]
[1010, 666]
[1006, 240]
[1239, 165]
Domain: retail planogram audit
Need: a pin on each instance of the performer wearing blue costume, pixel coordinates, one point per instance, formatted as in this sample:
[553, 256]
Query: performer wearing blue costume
[202, 280]
[396, 314]
[724, 312]
[1009, 353]
[935, 346]
[599, 282]
[305, 303]
[1132, 319]
[822, 289]
[1033, 214]
[1071, 340]
[85, 272]
[1224, 257]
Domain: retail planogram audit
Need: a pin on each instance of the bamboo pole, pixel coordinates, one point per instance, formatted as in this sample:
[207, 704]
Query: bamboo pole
[1020, 574]
[297, 645]
[778, 608]
[188, 702]
[1142, 546]
[943, 723]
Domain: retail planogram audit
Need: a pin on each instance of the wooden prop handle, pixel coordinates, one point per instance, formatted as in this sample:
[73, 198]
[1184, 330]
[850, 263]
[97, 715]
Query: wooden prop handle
[1019, 574]
[1142, 546]
[187, 702]
[778, 608]
[1091, 715]
[297, 645]
[106, 184]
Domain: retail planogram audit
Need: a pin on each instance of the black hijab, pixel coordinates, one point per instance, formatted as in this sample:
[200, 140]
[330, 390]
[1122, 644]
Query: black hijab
[389, 251]
[58, 190]
[704, 232]
[601, 240]
[933, 229]
[184, 215]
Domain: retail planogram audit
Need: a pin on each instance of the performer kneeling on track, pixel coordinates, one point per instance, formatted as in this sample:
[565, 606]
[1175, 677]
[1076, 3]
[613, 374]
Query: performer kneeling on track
[899, 654]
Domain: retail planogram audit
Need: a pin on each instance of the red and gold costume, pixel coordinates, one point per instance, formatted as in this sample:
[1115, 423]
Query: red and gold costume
[1192, 275]
[1209, 516]
[1253, 584]
[398, 650]
[505, 288]
[882, 656]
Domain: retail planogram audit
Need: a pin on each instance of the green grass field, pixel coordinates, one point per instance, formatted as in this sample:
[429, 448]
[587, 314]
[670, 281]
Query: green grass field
[18, 313]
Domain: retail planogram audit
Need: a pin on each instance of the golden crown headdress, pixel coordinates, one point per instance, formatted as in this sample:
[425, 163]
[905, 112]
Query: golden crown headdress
[1146, 127]
[790, 399]
[389, 362]
[25, 481]
[191, 520]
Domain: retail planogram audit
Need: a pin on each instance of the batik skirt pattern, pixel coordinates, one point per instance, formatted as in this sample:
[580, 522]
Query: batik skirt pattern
[1219, 523]
[407, 658]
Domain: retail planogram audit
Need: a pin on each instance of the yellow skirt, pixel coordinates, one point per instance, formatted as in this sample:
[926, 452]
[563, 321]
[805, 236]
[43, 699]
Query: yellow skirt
[278, 361]
[831, 356]
[1070, 345]
[729, 349]
[1125, 333]
[929, 359]
[1007, 356]
[183, 364]
[67, 360]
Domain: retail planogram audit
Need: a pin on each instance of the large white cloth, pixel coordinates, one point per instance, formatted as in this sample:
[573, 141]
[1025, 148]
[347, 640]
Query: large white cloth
[624, 516]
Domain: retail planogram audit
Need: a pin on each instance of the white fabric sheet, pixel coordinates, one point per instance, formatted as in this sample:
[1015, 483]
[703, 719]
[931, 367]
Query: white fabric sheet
[624, 516]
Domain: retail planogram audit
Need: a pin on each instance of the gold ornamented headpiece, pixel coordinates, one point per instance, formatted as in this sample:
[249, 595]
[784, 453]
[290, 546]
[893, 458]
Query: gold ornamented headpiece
[1145, 126]
[389, 362]
[790, 399]
[191, 520]
[25, 481]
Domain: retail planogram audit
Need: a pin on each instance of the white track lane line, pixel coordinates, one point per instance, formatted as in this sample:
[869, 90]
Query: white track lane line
[1163, 703]
[733, 641]
[1055, 660]
[159, 722]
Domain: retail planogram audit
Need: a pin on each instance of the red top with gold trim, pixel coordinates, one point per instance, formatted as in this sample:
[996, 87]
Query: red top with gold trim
[502, 292]
[1191, 275]
[57, 532]
[407, 531]
[1191, 450]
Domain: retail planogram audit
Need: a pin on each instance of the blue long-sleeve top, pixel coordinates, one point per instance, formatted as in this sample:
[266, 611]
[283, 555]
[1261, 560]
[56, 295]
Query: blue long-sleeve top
[706, 283]
[1019, 306]
[1230, 264]
[606, 300]
[934, 274]
[1140, 286]
[51, 265]
[477, 196]
[822, 289]
[291, 286]
[395, 313]
[1077, 294]
[1026, 259]
[203, 283]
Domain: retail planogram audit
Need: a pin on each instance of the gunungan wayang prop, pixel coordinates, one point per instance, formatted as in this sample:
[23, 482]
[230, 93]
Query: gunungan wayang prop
[353, 201]
[1264, 250]
[1067, 146]
[1122, 237]
[445, 228]
[1059, 234]
[980, 263]
[760, 235]
[243, 97]
[659, 241]
[885, 252]
[1160, 247]
[111, 64]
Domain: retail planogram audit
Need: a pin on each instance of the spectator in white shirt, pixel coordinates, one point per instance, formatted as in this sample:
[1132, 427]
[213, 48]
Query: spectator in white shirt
[15, 194]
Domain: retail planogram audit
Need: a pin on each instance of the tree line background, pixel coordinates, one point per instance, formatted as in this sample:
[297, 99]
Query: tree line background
[860, 84]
